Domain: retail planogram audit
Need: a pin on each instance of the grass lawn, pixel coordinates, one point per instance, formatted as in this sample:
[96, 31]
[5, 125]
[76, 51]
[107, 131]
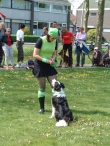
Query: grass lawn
[88, 95]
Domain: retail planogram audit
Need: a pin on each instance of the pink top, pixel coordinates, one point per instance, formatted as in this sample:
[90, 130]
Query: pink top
[80, 36]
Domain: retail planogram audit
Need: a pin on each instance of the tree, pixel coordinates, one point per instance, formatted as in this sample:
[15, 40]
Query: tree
[99, 28]
[86, 15]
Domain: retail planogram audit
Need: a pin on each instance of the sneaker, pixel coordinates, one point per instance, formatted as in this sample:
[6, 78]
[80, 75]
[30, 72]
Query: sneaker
[17, 65]
[77, 65]
[41, 111]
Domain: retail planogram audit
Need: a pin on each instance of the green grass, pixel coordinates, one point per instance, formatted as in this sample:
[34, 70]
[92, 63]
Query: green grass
[88, 95]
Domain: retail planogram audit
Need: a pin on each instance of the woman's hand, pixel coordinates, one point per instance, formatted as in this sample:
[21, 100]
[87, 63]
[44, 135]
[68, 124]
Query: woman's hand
[50, 61]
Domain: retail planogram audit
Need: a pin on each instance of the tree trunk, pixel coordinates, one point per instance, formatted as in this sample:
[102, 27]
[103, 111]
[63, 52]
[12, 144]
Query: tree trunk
[86, 15]
[99, 28]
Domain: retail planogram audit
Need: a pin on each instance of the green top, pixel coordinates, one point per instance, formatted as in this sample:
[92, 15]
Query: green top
[47, 48]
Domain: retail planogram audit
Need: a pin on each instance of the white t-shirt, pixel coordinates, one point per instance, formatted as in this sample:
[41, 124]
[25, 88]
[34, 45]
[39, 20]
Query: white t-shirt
[20, 34]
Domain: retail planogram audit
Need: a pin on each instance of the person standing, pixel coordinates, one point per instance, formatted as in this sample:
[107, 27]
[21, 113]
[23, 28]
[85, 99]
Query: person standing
[80, 36]
[7, 48]
[55, 25]
[2, 32]
[19, 45]
[45, 31]
[67, 42]
[45, 54]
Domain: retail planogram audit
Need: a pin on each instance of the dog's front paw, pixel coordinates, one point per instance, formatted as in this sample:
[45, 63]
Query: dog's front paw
[52, 116]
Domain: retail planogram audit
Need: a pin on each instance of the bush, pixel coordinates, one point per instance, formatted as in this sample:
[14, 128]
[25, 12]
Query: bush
[27, 38]
[27, 31]
[91, 35]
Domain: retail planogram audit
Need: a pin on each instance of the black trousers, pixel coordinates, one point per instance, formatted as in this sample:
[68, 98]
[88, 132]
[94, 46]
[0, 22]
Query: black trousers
[69, 48]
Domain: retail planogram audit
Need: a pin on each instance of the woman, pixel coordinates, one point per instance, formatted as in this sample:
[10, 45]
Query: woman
[19, 45]
[7, 48]
[80, 36]
[45, 54]
[67, 40]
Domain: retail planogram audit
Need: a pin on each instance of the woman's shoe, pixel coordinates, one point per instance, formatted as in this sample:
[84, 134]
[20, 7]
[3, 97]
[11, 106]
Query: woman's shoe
[13, 67]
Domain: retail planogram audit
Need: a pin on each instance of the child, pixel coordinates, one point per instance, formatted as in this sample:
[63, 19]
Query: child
[30, 63]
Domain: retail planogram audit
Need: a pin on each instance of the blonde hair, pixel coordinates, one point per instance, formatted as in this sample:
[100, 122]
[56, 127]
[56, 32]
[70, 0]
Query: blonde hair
[64, 30]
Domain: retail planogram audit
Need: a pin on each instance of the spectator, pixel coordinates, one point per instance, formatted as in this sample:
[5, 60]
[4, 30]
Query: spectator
[45, 54]
[55, 25]
[67, 42]
[7, 48]
[45, 31]
[19, 45]
[2, 32]
[30, 63]
[97, 57]
[106, 59]
[80, 36]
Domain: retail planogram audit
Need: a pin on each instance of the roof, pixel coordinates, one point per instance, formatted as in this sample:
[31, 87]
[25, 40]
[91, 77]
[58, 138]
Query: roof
[56, 2]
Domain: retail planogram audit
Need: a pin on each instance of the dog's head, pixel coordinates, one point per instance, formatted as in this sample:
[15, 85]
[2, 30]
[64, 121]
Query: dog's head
[57, 85]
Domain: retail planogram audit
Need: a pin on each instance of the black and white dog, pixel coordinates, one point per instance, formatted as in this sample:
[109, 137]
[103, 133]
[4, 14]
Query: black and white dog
[60, 108]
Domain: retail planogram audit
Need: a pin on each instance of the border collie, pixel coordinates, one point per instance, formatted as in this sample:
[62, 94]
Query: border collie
[60, 108]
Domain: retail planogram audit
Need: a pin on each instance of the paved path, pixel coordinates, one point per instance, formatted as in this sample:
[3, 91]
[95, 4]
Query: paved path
[85, 66]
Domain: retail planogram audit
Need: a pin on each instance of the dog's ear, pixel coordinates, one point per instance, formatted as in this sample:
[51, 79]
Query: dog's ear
[62, 85]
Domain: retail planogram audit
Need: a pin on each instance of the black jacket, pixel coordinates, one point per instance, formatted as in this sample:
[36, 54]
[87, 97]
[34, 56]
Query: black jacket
[4, 39]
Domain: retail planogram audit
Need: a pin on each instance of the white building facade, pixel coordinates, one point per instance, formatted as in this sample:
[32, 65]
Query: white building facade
[35, 14]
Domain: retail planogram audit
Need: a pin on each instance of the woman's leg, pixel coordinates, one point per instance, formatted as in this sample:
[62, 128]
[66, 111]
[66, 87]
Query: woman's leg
[19, 46]
[50, 78]
[6, 52]
[70, 55]
[77, 55]
[83, 59]
[41, 92]
[11, 55]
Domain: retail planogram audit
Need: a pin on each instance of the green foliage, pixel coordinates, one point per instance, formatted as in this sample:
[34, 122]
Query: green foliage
[91, 35]
[26, 31]
[27, 38]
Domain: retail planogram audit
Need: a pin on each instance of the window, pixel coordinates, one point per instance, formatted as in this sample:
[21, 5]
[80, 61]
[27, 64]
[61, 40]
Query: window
[18, 4]
[28, 5]
[93, 14]
[106, 30]
[59, 9]
[40, 27]
[15, 25]
[96, 1]
[5, 3]
[41, 6]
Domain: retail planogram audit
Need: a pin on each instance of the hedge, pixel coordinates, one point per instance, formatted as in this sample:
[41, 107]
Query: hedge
[27, 38]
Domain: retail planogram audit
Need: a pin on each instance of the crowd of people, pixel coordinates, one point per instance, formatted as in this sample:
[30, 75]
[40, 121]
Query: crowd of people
[67, 38]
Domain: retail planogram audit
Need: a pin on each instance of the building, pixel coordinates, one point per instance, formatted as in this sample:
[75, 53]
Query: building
[35, 14]
[93, 13]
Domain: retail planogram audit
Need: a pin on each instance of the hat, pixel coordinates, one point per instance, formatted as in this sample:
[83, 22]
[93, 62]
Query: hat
[8, 29]
[53, 32]
[96, 48]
